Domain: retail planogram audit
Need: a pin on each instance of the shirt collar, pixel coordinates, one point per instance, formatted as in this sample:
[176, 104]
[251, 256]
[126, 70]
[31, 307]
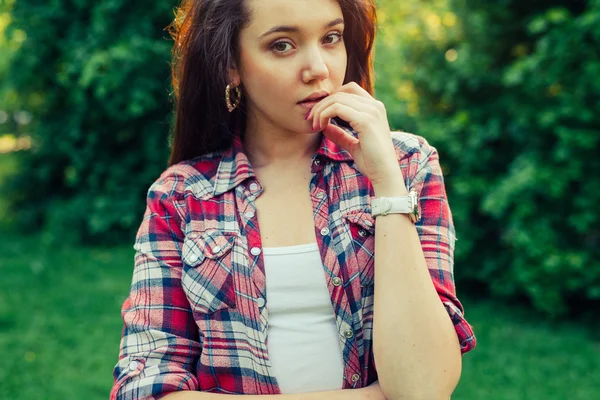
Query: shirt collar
[234, 167]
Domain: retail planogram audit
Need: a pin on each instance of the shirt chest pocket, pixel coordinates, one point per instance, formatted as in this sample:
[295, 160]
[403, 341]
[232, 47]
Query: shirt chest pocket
[207, 277]
[362, 230]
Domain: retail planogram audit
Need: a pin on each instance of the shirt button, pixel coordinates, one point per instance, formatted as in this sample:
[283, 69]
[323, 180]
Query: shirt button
[368, 223]
[320, 195]
[249, 214]
[337, 281]
[362, 232]
[355, 377]
[260, 301]
[253, 186]
[216, 249]
[255, 251]
[193, 258]
[317, 161]
[349, 333]
[133, 365]
[324, 231]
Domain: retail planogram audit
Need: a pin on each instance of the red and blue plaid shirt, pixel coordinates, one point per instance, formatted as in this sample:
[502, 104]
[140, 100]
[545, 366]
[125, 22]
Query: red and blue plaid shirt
[196, 319]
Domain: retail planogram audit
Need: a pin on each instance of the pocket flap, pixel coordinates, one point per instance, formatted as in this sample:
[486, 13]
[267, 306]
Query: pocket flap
[212, 244]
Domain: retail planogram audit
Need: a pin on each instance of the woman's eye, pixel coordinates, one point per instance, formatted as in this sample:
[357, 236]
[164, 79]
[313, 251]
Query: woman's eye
[335, 36]
[279, 47]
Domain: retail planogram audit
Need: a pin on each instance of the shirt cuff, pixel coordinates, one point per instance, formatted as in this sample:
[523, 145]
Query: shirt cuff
[466, 337]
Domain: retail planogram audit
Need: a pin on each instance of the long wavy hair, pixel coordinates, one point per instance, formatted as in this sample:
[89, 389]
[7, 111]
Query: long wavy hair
[206, 35]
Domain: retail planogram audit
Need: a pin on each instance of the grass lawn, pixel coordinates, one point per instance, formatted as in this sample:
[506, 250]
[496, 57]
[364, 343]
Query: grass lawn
[60, 328]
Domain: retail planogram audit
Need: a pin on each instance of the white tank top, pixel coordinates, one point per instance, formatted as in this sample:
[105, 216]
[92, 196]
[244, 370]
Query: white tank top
[302, 339]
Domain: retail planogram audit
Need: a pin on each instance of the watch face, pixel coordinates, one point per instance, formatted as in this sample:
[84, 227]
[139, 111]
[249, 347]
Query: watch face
[415, 215]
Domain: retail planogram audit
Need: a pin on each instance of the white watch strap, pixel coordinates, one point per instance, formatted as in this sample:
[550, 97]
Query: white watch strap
[391, 205]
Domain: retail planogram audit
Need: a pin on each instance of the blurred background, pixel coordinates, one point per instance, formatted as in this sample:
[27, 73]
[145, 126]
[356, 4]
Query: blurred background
[508, 92]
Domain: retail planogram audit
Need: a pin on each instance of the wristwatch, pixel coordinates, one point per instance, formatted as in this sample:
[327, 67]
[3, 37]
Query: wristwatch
[397, 205]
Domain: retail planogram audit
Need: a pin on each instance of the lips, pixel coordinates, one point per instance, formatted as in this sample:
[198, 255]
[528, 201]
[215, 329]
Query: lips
[312, 101]
[315, 97]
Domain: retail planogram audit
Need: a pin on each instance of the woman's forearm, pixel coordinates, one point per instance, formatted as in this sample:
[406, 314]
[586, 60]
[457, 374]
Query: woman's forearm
[415, 345]
[372, 392]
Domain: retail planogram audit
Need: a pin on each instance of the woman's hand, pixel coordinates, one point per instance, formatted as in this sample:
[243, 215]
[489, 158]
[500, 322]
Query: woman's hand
[373, 151]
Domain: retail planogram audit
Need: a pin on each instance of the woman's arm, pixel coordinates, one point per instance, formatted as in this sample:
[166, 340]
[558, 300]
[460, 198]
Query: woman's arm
[419, 331]
[159, 344]
[372, 392]
[416, 347]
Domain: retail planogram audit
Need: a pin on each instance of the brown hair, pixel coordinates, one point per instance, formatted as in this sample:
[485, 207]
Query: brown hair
[206, 34]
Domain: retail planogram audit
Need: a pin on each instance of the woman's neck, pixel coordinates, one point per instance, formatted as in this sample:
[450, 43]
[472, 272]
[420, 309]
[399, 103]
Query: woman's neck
[268, 146]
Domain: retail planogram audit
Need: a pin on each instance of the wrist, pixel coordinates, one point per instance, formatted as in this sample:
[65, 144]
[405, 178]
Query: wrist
[392, 188]
[390, 184]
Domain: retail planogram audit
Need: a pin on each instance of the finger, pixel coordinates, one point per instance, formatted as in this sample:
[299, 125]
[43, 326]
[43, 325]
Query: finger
[349, 99]
[357, 119]
[354, 88]
[353, 101]
[341, 138]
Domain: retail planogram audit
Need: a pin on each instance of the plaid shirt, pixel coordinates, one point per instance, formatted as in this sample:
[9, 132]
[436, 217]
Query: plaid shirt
[195, 318]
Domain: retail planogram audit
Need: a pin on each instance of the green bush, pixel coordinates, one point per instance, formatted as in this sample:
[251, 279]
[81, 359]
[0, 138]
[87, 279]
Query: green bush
[509, 94]
[95, 75]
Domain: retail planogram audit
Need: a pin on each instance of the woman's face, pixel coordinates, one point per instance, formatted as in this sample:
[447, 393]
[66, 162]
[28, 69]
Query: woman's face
[290, 50]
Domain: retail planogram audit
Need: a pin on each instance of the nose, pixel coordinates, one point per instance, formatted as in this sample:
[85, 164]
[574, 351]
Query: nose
[316, 67]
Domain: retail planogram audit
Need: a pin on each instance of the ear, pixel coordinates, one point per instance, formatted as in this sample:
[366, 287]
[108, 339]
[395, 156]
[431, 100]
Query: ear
[233, 77]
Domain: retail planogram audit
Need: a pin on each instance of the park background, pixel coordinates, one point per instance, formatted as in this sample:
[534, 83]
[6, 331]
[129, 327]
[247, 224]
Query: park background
[508, 92]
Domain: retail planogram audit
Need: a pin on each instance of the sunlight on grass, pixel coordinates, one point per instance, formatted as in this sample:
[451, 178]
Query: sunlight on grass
[60, 319]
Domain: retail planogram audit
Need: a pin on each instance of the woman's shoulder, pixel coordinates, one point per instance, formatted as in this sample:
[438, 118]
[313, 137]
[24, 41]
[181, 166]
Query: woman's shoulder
[411, 147]
[408, 145]
[193, 176]
[417, 158]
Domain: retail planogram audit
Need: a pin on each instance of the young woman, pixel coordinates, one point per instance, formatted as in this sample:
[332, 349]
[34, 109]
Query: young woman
[255, 268]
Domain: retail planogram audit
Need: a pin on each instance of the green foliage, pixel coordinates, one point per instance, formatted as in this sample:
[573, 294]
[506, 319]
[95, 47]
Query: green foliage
[95, 75]
[508, 93]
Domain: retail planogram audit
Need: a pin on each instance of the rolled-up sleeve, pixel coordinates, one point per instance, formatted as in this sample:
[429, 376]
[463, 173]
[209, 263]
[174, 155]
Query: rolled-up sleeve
[159, 345]
[437, 235]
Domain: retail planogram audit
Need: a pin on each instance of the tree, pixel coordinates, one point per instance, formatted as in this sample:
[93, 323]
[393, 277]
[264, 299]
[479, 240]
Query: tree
[508, 93]
[95, 75]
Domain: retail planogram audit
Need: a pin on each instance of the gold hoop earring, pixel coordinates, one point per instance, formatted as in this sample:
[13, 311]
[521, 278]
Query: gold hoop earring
[238, 94]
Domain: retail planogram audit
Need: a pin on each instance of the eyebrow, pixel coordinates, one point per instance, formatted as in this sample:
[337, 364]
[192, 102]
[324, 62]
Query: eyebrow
[287, 28]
